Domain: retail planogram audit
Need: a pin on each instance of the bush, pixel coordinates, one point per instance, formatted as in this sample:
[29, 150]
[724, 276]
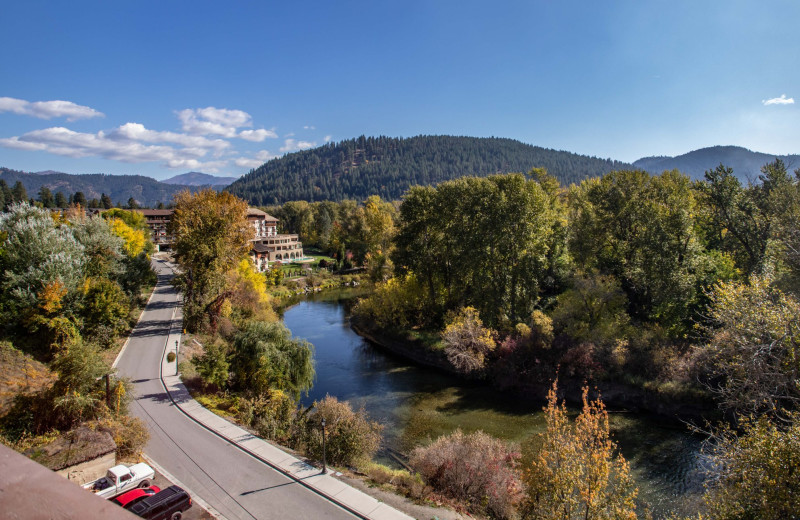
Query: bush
[130, 434]
[477, 469]
[576, 472]
[351, 438]
[213, 366]
[758, 472]
[467, 342]
[274, 416]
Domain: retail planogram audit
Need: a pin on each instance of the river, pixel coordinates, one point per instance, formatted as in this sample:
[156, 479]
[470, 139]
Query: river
[415, 403]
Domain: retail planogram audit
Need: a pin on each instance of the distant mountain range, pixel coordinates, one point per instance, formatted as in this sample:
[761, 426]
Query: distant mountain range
[199, 179]
[385, 166]
[358, 168]
[145, 190]
[746, 164]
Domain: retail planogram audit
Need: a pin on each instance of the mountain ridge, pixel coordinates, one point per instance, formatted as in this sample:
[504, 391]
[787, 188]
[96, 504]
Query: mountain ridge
[746, 163]
[388, 166]
[146, 191]
[199, 179]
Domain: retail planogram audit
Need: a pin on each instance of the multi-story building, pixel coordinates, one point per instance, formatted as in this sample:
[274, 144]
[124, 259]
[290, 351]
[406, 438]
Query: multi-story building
[267, 245]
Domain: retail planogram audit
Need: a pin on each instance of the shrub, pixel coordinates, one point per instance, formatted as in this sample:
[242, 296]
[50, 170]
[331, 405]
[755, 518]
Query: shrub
[467, 342]
[130, 434]
[758, 472]
[576, 473]
[477, 469]
[213, 366]
[273, 415]
[351, 438]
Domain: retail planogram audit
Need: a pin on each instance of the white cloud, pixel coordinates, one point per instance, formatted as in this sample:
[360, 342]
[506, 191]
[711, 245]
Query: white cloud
[309, 127]
[66, 142]
[327, 138]
[48, 109]
[290, 145]
[260, 158]
[138, 132]
[194, 164]
[783, 100]
[257, 135]
[213, 121]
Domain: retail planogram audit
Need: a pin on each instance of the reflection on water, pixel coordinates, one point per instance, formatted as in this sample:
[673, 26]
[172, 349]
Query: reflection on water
[416, 403]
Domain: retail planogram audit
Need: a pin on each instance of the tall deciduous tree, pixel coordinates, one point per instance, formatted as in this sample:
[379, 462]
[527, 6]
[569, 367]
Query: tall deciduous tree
[640, 229]
[478, 241]
[211, 236]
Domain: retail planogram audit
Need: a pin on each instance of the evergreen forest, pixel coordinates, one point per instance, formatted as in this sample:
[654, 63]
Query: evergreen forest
[387, 167]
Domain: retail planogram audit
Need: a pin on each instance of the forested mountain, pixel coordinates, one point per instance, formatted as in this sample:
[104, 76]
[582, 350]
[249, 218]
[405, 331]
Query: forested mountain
[746, 164]
[144, 190]
[386, 166]
[199, 179]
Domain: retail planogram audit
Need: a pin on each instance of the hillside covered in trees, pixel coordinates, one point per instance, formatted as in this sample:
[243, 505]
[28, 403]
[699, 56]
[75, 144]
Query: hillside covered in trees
[145, 191]
[386, 166]
[745, 163]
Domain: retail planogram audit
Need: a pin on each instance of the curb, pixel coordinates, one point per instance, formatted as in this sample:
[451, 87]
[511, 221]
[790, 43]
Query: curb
[249, 452]
[195, 497]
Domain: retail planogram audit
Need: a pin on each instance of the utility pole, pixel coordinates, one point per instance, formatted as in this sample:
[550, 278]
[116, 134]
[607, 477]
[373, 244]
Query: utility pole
[324, 462]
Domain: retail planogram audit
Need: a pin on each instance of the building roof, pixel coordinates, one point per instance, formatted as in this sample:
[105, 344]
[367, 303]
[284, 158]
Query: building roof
[253, 212]
[156, 212]
[261, 248]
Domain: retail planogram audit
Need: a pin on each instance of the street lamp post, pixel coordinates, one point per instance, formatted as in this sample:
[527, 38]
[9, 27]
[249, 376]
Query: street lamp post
[176, 357]
[324, 462]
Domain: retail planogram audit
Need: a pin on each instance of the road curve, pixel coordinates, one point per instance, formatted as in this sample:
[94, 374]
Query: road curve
[231, 481]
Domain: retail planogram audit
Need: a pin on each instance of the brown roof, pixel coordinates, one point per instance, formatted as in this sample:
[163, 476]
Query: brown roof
[253, 212]
[156, 212]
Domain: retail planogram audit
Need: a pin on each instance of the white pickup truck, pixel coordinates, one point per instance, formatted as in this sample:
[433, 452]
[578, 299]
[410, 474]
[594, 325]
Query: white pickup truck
[120, 479]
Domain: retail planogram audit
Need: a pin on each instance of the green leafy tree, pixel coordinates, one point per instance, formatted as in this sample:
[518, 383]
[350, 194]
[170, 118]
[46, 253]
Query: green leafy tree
[105, 201]
[213, 365]
[639, 228]
[211, 237]
[733, 219]
[265, 356]
[479, 242]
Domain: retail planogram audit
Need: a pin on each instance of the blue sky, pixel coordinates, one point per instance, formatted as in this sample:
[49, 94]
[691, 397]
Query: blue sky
[162, 88]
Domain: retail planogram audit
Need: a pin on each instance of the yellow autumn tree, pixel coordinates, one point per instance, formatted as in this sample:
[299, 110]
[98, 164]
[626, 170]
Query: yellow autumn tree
[135, 239]
[577, 472]
[467, 341]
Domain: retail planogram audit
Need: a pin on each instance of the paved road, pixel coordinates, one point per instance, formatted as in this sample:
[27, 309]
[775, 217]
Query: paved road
[237, 485]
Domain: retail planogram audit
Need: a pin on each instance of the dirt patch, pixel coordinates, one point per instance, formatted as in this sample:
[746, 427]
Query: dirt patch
[20, 374]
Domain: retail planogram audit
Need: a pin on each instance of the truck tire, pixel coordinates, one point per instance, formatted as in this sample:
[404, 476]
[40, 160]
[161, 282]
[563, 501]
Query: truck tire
[176, 516]
[145, 483]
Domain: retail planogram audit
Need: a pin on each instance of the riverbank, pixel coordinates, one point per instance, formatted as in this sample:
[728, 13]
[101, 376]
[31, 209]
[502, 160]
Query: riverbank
[619, 397]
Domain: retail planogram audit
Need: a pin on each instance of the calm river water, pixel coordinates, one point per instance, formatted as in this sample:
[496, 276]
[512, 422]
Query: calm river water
[415, 403]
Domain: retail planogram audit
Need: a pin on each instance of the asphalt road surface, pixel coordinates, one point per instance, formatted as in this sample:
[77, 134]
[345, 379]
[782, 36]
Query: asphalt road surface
[234, 483]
